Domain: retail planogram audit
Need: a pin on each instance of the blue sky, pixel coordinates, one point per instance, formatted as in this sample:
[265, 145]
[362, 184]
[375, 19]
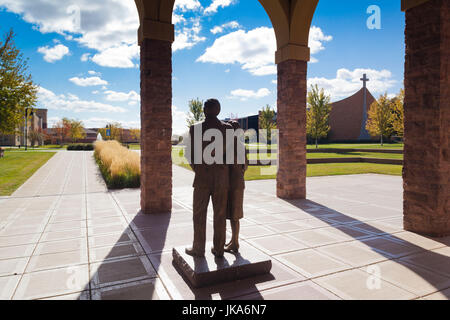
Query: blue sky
[88, 68]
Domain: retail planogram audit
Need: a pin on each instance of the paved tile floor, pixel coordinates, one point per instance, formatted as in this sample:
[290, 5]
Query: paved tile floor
[64, 236]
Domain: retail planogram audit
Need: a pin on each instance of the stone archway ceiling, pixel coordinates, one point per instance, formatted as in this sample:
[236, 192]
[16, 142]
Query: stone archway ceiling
[156, 20]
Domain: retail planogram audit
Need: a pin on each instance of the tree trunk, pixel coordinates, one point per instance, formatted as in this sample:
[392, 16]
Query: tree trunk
[317, 144]
[381, 140]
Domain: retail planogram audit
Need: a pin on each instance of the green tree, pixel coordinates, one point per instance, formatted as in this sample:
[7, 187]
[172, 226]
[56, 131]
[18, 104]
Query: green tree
[196, 113]
[398, 122]
[17, 90]
[116, 132]
[318, 114]
[267, 121]
[380, 118]
[61, 130]
[76, 130]
[36, 136]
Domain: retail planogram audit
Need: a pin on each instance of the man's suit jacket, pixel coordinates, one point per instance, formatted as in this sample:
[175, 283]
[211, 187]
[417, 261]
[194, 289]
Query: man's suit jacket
[211, 176]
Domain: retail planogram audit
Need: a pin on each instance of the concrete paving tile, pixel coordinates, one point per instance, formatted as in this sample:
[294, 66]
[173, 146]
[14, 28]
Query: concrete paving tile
[306, 290]
[16, 251]
[387, 246]
[316, 237]
[288, 226]
[412, 278]
[418, 240]
[441, 295]
[179, 288]
[63, 235]
[311, 263]
[353, 253]
[52, 283]
[109, 273]
[7, 286]
[254, 231]
[108, 229]
[84, 295]
[358, 285]
[12, 266]
[111, 239]
[57, 260]
[116, 251]
[67, 225]
[19, 240]
[276, 244]
[150, 289]
[347, 232]
[60, 246]
[437, 260]
[265, 218]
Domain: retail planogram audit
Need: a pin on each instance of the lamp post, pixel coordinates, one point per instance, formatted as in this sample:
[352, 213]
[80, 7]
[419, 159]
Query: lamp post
[26, 129]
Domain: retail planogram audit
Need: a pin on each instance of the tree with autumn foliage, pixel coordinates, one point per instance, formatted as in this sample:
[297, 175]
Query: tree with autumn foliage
[318, 114]
[381, 118]
[398, 122]
[17, 90]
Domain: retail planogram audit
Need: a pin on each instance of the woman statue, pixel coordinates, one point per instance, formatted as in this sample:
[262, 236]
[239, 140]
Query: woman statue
[235, 210]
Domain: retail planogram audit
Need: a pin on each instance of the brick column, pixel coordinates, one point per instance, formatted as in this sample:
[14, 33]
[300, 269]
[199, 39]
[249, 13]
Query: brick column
[156, 126]
[426, 170]
[291, 121]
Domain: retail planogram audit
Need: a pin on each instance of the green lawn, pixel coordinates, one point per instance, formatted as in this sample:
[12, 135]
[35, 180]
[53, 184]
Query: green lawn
[357, 146]
[314, 170]
[327, 169]
[17, 167]
[265, 156]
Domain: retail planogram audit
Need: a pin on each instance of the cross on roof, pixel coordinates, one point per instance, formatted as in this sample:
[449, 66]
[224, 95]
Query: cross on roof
[364, 79]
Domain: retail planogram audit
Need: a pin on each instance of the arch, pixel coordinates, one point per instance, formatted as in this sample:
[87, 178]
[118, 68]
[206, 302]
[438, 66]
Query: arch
[291, 20]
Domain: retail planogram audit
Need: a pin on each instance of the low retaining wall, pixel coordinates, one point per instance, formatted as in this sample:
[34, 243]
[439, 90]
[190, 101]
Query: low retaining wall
[335, 160]
[391, 151]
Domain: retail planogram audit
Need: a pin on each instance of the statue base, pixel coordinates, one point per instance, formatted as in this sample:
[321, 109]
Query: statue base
[207, 271]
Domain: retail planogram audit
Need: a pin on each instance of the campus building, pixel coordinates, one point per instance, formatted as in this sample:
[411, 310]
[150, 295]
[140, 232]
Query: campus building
[37, 121]
[348, 118]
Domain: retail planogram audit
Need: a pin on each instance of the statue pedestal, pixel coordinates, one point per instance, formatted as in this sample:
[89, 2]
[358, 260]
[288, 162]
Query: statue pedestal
[207, 271]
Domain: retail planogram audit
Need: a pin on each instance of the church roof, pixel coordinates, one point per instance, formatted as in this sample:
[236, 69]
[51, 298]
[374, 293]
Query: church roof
[346, 117]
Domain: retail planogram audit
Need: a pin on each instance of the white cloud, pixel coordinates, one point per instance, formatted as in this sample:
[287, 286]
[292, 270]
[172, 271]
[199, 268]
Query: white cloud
[348, 82]
[54, 54]
[179, 124]
[254, 50]
[216, 4]
[131, 97]
[188, 36]
[70, 102]
[250, 94]
[93, 73]
[316, 39]
[225, 26]
[186, 5]
[118, 57]
[88, 82]
[85, 57]
[95, 25]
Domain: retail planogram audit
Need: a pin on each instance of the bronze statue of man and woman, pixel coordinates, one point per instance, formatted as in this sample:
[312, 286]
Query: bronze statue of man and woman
[222, 181]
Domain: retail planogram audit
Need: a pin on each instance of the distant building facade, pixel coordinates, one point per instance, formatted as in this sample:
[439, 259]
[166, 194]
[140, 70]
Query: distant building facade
[347, 120]
[37, 121]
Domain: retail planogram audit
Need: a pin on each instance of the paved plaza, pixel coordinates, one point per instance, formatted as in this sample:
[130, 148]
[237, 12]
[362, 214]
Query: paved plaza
[63, 235]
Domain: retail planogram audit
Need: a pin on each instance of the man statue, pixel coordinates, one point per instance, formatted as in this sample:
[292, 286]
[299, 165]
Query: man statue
[211, 181]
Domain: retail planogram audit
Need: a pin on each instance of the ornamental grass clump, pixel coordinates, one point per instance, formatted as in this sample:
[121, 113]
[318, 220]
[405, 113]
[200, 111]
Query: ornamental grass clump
[120, 167]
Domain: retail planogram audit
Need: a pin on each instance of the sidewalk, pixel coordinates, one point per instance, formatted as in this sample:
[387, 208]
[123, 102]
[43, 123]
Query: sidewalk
[64, 236]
